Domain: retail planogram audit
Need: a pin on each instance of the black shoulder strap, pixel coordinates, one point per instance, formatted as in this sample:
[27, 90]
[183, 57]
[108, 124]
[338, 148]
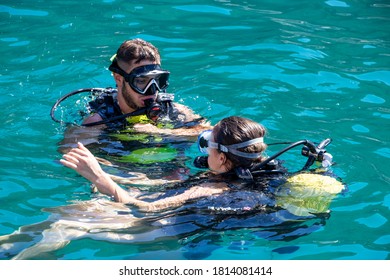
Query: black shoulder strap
[105, 105]
[110, 105]
[244, 173]
[249, 174]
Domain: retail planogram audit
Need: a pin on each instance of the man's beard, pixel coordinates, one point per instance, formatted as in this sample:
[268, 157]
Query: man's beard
[128, 98]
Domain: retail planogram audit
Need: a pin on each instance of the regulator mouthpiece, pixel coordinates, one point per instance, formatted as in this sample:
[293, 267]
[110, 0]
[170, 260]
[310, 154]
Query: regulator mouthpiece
[317, 153]
[327, 160]
[201, 162]
[153, 109]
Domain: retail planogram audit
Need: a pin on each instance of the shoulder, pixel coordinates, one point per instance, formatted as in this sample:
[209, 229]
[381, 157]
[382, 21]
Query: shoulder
[93, 118]
[193, 123]
[186, 111]
[181, 107]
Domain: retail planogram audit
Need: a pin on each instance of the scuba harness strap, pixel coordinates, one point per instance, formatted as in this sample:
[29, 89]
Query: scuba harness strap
[160, 109]
[106, 106]
[104, 103]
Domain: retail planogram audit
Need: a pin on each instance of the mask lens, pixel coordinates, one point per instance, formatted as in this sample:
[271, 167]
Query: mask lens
[162, 80]
[203, 141]
[142, 83]
[145, 80]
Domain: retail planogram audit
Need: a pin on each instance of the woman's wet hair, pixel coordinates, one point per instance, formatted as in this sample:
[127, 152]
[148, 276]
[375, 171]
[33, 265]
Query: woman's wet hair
[233, 130]
[136, 50]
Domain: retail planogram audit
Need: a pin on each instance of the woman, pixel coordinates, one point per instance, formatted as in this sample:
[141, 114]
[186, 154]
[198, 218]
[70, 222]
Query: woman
[234, 142]
[224, 203]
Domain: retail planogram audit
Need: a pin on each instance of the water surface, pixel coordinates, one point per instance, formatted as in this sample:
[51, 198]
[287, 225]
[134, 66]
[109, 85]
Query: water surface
[305, 69]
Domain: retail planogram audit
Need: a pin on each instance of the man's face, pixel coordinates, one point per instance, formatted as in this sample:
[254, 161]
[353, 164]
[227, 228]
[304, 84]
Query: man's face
[128, 99]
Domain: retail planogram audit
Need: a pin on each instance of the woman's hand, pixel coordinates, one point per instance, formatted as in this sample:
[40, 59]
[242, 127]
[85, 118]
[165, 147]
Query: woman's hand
[83, 162]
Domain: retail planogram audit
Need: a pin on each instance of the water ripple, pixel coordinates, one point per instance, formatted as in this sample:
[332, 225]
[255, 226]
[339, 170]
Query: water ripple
[384, 152]
[22, 12]
[377, 76]
[336, 3]
[372, 98]
[204, 9]
[317, 82]
[299, 51]
[373, 221]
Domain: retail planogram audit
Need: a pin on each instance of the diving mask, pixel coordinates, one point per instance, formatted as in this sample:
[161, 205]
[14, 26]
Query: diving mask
[145, 80]
[204, 142]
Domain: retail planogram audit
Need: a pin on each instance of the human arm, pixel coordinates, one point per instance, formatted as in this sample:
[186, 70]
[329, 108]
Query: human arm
[176, 132]
[195, 124]
[141, 179]
[136, 178]
[193, 193]
[83, 162]
[74, 134]
[92, 119]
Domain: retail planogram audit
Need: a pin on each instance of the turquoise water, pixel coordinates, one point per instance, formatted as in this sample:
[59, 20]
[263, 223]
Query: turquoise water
[305, 69]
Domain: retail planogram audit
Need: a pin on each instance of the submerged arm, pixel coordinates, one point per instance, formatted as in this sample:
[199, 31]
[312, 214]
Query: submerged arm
[192, 193]
[137, 178]
[140, 179]
[83, 162]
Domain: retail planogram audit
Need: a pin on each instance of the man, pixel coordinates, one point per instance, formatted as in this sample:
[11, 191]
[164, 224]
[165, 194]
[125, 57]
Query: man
[141, 83]
[139, 100]
[141, 104]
